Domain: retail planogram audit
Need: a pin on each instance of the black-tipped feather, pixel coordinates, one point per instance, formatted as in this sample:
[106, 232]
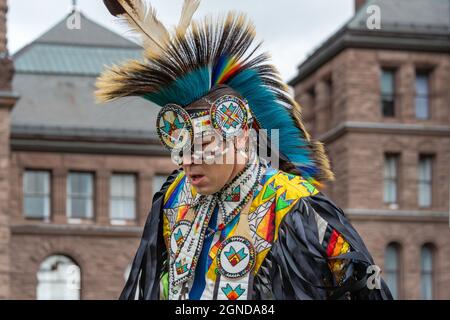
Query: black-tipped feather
[202, 46]
[114, 7]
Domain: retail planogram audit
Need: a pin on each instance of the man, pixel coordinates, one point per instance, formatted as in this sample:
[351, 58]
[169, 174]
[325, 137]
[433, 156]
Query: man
[230, 224]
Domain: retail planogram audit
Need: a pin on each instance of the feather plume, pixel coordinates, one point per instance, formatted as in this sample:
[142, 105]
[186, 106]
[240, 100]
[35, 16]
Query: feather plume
[210, 53]
[142, 19]
[189, 8]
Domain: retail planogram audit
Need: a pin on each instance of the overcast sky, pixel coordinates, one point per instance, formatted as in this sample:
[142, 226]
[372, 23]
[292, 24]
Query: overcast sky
[291, 29]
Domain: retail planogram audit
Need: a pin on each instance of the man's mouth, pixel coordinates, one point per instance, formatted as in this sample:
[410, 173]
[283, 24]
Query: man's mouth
[196, 178]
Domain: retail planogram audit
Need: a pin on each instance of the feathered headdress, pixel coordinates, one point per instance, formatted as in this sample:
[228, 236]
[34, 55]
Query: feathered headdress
[182, 65]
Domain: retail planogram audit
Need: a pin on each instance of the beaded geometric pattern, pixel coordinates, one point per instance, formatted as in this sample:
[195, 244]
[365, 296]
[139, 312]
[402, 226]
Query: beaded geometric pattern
[275, 196]
[235, 257]
[174, 127]
[228, 115]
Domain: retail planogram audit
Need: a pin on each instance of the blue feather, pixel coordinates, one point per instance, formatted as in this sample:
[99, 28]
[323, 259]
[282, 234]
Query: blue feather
[184, 90]
[218, 68]
[271, 114]
[268, 111]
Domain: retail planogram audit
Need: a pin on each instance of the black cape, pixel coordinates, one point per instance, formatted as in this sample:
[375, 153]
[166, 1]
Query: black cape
[296, 267]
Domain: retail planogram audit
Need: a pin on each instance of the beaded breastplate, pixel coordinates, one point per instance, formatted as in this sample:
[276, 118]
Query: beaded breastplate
[251, 209]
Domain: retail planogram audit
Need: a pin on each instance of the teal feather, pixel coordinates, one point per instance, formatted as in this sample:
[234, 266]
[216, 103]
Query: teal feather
[266, 108]
[271, 114]
[184, 90]
[192, 64]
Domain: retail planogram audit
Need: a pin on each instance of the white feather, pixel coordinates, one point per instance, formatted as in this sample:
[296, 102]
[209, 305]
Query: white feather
[189, 8]
[142, 19]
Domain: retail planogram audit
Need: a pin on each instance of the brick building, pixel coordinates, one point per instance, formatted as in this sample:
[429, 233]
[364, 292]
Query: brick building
[7, 101]
[81, 174]
[76, 178]
[380, 101]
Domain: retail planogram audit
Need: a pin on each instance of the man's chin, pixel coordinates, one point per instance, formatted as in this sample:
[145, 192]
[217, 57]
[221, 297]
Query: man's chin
[205, 190]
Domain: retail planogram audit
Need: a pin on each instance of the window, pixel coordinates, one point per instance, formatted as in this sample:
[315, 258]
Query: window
[158, 181]
[387, 84]
[426, 272]
[123, 197]
[392, 268]
[80, 194]
[425, 180]
[390, 178]
[36, 191]
[422, 95]
[59, 278]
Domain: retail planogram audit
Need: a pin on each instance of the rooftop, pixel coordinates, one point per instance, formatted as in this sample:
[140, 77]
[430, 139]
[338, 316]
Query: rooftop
[417, 25]
[81, 51]
[55, 78]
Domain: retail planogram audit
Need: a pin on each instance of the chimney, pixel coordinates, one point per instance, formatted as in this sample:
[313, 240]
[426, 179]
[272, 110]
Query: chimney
[359, 4]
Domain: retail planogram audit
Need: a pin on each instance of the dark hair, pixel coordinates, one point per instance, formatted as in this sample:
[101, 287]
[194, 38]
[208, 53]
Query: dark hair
[289, 167]
[215, 93]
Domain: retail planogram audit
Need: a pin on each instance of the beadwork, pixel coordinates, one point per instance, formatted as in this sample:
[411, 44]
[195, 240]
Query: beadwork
[228, 115]
[177, 127]
[235, 257]
[174, 127]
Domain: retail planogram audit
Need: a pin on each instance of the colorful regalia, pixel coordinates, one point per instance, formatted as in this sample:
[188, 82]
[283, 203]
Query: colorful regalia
[269, 233]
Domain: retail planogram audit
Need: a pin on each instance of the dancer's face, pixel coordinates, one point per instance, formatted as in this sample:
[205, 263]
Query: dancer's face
[218, 160]
[208, 177]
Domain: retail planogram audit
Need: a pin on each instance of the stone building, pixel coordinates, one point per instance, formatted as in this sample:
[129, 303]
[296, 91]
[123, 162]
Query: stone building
[7, 101]
[82, 175]
[76, 178]
[379, 98]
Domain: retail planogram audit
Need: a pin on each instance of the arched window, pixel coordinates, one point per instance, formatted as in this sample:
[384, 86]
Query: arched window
[426, 271]
[392, 268]
[58, 279]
